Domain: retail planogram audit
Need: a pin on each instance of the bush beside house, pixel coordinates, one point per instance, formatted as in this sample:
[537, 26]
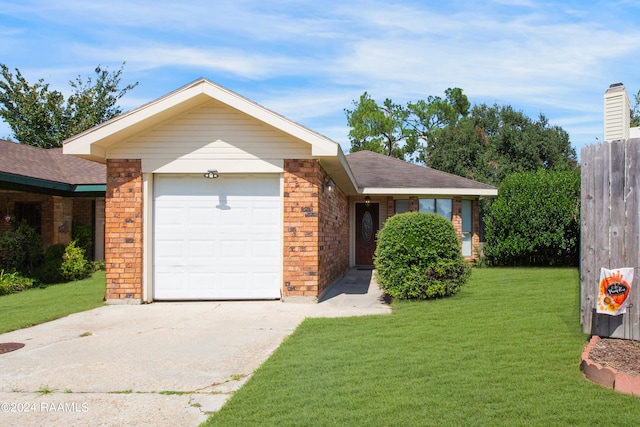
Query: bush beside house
[535, 220]
[24, 263]
[418, 257]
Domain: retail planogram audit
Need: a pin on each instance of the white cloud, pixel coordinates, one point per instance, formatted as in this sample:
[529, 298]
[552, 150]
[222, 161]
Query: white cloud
[308, 60]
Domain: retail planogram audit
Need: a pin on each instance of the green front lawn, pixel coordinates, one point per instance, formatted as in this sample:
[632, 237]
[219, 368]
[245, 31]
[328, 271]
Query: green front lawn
[38, 305]
[504, 351]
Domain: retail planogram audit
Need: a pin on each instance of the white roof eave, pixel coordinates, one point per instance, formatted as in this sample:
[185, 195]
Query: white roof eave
[429, 191]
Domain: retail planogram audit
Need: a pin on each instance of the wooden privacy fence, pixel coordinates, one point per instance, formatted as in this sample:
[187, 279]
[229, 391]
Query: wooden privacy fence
[610, 232]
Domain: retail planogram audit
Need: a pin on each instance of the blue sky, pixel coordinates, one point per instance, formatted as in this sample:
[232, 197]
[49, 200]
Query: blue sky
[308, 60]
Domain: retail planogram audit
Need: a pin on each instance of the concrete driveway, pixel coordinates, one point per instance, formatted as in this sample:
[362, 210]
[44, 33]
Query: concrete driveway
[162, 364]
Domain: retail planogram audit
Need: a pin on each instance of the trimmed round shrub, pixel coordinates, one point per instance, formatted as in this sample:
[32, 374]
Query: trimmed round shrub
[418, 257]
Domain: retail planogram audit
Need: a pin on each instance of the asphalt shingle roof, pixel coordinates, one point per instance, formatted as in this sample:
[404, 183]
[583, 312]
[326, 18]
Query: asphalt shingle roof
[379, 171]
[49, 165]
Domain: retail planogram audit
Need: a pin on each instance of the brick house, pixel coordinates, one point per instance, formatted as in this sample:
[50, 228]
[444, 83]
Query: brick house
[51, 192]
[211, 196]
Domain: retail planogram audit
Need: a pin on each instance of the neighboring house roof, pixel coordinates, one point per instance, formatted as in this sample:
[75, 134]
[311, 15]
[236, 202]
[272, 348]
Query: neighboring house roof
[23, 166]
[379, 174]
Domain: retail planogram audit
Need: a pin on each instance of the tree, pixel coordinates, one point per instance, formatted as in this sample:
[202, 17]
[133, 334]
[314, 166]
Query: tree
[402, 131]
[380, 128]
[535, 220]
[42, 117]
[635, 111]
[496, 141]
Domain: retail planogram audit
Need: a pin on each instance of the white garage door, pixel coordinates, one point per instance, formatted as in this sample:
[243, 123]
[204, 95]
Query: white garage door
[217, 238]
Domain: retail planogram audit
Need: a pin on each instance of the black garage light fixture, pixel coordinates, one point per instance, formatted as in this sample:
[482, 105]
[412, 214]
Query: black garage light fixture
[367, 201]
[211, 174]
[328, 186]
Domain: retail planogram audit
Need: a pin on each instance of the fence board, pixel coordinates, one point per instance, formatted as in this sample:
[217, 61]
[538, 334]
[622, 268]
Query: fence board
[587, 227]
[600, 323]
[632, 205]
[617, 256]
[610, 231]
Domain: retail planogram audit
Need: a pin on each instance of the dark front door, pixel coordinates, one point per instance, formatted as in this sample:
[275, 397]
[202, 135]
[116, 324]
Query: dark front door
[366, 229]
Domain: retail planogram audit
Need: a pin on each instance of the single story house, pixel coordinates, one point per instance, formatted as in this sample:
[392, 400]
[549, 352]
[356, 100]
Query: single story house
[51, 192]
[212, 196]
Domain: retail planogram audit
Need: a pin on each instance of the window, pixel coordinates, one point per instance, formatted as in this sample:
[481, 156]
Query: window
[401, 206]
[29, 213]
[467, 227]
[442, 207]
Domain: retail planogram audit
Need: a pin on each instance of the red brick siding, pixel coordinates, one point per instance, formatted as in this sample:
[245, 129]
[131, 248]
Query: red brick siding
[62, 219]
[83, 211]
[316, 230]
[300, 240]
[413, 204]
[8, 201]
[123, 225]
[391, 208]
[334, 234]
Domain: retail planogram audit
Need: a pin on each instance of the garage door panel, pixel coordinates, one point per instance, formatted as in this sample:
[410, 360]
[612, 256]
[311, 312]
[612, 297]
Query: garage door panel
[201, 252]
[217, 239]
[170, 216]
[201, 216]
[238, 217]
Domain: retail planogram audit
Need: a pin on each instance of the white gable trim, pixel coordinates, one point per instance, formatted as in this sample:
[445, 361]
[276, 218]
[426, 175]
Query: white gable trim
[92, 143]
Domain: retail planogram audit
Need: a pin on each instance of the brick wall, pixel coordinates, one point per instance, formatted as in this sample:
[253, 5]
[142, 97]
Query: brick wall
[83, 211]
[8, 201]
[391, 208]
[333, 234]
[123, 229]
[300, 240]
[316, 230]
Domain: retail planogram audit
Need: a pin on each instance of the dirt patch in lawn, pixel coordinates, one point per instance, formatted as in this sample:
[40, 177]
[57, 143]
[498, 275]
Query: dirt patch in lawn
[621, 355]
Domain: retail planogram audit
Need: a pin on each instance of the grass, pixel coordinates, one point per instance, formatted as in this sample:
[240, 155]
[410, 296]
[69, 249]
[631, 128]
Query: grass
[504, 351]
[39, 305]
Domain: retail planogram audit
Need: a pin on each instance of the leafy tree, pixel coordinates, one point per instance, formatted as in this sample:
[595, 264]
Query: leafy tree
[380, 128]
[402, 131]
[535, 220]
[635, 111]
[42, 117]
[496, 141]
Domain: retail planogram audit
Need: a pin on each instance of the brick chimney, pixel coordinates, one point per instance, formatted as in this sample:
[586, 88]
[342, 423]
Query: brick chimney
[617, 113]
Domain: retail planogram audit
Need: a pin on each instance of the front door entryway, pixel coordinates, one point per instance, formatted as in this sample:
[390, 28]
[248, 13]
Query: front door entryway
[366, 230]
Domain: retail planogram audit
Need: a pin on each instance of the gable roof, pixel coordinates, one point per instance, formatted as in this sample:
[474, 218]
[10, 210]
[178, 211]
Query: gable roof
[92, 143]
[25, 165]
[379, 174]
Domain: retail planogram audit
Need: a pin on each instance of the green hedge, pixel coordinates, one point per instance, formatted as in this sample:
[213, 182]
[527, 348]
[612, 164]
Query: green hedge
[418, 257]
[535, 220]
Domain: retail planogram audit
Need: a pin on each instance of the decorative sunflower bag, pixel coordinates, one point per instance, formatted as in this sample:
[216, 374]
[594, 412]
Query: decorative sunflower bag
[614, 290]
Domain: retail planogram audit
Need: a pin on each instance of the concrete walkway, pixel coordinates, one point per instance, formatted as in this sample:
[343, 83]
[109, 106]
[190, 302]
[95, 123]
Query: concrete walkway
[161, 364]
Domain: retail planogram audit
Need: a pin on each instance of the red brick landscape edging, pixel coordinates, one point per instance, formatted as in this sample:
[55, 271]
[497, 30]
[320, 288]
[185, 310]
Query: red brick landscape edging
[607, 376]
